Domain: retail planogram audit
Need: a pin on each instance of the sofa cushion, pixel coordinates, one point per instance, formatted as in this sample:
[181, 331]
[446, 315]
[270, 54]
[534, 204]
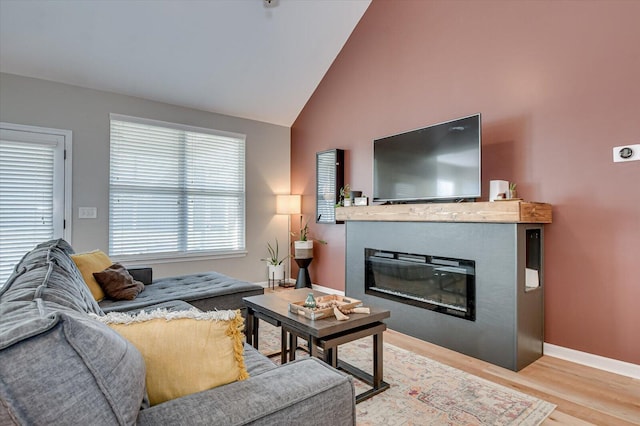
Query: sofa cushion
[47, 280]
[88, 263]
[56, 251]
[40, 255]
[117, 283]
[50, 348]
[305, 391]
[184, 351]
[77, 371]
[256, 362]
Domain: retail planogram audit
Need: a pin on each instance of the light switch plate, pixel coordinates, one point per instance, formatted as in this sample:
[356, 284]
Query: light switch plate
[626, 153]
[87, 212]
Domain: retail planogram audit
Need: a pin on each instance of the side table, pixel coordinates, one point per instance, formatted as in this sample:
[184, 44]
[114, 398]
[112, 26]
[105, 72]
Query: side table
[329, 345]
[303, 279]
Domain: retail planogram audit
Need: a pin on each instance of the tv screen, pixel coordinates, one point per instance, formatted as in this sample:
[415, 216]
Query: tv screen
[438, 162]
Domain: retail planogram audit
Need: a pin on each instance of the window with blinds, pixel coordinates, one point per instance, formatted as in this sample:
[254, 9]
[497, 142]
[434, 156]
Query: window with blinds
[329, 180]
[32, 190]
[175, 191]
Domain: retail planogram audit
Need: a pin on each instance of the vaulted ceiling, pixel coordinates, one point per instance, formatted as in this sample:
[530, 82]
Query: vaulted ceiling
[245, 58]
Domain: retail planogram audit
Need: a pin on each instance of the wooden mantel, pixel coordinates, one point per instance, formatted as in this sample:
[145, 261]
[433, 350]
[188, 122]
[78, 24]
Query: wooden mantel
[515, 211]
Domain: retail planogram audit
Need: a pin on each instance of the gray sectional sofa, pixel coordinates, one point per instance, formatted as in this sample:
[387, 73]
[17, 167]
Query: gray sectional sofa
[58, 366]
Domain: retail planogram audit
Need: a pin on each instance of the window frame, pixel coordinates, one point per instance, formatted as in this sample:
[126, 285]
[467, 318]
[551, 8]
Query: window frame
[180, 256]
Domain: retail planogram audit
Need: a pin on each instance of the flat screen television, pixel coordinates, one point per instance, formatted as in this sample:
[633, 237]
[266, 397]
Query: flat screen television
[440, 162]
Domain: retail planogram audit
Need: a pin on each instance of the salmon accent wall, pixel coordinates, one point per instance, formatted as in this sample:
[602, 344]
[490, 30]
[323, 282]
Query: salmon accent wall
[557, 85]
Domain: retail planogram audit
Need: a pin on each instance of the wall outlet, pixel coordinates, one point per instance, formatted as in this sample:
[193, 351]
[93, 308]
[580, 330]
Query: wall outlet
[87, 212]
[626, 153]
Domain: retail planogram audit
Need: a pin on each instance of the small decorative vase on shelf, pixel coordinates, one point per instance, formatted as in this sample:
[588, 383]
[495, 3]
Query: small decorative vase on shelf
[310, 301]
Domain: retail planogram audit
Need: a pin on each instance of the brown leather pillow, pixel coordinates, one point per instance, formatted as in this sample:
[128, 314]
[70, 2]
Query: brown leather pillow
[117, 283]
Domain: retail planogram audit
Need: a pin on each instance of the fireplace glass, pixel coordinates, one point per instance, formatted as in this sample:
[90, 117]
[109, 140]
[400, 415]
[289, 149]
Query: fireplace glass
[440, 284]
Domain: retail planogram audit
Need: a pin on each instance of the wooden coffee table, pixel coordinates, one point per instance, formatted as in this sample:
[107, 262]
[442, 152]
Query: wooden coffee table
[321, 334]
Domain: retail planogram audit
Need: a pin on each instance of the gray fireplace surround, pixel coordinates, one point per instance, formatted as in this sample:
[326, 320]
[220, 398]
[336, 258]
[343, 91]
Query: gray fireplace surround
[508, 329]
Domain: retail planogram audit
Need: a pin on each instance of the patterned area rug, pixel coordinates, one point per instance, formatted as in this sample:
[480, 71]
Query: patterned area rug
[426, 392]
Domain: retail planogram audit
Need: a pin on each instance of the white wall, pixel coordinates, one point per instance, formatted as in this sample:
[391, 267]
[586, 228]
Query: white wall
[86, 112]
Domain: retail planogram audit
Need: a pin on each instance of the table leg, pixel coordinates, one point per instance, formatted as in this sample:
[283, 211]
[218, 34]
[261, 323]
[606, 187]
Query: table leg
[293, 345]
[377, 360]
[283, 345]
[252, 323]
[331, 356]
[248, 328]
[313, 347]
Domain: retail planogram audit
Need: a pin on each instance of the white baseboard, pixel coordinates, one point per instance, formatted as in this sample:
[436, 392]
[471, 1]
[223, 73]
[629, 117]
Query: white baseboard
[327, 290]
[596, 361]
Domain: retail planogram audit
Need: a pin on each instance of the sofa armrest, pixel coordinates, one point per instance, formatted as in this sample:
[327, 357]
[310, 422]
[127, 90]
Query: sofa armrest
[143, 274]
[304, 391]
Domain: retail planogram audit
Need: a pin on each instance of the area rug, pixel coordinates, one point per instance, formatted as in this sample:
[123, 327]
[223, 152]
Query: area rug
[426, 392]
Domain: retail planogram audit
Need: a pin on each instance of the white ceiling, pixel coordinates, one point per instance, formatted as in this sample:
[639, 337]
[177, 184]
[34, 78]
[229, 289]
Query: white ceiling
[235, 57]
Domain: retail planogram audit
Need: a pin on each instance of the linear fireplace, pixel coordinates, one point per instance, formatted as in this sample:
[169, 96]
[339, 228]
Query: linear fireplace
[440, 284]
[508, 325]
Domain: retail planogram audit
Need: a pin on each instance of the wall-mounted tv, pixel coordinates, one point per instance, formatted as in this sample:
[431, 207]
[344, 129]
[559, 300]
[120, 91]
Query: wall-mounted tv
[437, 162]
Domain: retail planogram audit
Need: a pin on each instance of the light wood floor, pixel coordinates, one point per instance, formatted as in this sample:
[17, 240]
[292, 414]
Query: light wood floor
[583, 395]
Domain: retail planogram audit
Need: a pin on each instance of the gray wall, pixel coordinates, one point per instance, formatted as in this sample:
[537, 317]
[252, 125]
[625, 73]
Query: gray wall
[86, 112]
[508, 330]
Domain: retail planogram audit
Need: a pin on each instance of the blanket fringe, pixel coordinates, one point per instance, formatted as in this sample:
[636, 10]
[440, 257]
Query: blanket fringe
[194, 313]
[235, 331]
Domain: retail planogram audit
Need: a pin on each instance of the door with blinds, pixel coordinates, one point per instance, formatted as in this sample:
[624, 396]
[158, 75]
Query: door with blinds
[35, 190]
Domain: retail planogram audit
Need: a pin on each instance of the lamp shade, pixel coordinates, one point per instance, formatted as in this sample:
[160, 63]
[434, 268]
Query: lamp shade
[288, 204]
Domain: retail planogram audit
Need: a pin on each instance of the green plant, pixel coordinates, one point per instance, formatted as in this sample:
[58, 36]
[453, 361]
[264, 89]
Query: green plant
[512, 186]
[304, 233]
[274, 254]
[344, 192]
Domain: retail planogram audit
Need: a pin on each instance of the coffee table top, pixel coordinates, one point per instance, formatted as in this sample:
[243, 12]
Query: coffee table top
[276, 306]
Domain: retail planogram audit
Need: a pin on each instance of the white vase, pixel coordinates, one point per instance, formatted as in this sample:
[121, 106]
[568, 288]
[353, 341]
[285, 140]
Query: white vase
[276, 272]
[303, 249]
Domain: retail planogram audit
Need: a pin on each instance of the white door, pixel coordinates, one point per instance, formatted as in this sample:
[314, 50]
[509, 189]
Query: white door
[35, 190]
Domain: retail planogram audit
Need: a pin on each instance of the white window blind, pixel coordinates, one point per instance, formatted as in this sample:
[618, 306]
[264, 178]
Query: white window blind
[175, 190]
[32, 191]
[326, 181]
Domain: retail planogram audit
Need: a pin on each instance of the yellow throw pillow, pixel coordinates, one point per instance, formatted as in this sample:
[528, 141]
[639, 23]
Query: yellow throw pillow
[184, 351]
[88, 263]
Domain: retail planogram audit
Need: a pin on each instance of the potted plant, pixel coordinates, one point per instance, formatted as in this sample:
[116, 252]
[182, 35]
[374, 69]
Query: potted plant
[274, 262]
[303, 247]
[343, 201]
